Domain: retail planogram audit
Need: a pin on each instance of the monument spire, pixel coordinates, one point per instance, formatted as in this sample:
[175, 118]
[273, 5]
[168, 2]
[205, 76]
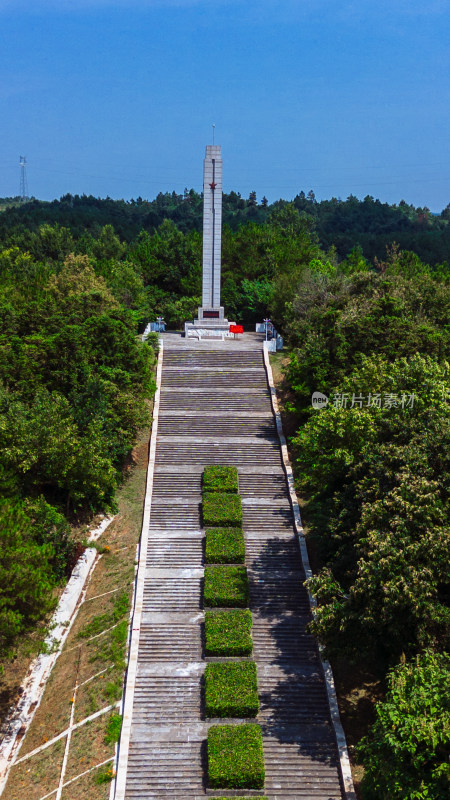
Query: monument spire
[212, 231]
[211, 313]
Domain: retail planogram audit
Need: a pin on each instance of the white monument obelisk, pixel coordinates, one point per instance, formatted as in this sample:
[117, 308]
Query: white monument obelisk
[212, 234]
[211, 313]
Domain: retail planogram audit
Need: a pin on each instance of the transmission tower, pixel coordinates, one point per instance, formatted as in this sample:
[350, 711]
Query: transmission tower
[23, 179]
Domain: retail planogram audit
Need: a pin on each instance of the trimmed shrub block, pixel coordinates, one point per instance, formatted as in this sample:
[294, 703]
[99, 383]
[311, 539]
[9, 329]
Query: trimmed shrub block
[225, 546]
[220, 509]
[226, 587]
[228, 633]
[235, 757]
[231, 690]
[220, 479]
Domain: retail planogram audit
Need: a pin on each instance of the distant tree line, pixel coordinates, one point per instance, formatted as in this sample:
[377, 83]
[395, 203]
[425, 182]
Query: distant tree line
[343, 224]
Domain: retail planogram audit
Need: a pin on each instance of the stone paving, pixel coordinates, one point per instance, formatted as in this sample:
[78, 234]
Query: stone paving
[215, 409]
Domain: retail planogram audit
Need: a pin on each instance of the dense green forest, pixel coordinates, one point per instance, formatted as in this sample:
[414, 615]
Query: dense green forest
[361, 292]
[374, 467]
[342, 224]
[74, 380]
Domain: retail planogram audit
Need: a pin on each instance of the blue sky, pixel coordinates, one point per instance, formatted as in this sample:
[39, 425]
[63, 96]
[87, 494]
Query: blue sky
[117, 97]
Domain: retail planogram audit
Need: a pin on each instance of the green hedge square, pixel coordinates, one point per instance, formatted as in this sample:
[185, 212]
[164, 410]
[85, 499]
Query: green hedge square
[235, 757]
[226, 587]
[231, 690]
[228, 633]
[220, 509]
[220, 479]
[225, 546]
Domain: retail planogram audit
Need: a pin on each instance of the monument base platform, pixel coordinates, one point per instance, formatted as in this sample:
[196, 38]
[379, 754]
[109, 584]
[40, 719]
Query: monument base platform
[210, 323]
[207, 328]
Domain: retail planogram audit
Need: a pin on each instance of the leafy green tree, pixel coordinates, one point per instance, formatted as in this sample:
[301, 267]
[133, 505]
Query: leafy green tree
[405, 755]
[335, 319]
[176, 312]
[79, 291]
[381, 503]
[108, 245]
[53, 242]
[50, 527]
[355, 262]
[126, 283]
[256, 298]
[26, 580]
[43, 444]
[293, 245]
[322, 266]
[14, 262]
[168, 256]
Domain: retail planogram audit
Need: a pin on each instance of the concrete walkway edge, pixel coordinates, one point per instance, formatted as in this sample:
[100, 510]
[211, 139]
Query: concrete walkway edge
[122, 760]
[331, 690]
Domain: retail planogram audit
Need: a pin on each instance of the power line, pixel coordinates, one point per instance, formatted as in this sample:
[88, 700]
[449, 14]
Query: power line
[143, 182]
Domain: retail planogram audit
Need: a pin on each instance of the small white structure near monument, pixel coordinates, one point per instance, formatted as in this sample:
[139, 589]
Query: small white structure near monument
[211, 320]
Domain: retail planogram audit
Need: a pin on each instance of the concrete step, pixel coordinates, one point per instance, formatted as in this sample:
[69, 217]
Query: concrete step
[188, 485]
[289, 698]
[205, 379]
[239, 358]
[216, 426]
[177, 484]
[281, 591]
[182, 552]
[283, 640]
[162, 698]
[274, 553]
[171, 642]
[263, 485]
[165, 769]
[304, 768]
[163, 516]
[218, 402]
[212, 368]
[267, 452]
[262, 518]
[173, 594]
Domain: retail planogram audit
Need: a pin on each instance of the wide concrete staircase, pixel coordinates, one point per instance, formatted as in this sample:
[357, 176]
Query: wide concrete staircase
[215, 409]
